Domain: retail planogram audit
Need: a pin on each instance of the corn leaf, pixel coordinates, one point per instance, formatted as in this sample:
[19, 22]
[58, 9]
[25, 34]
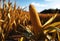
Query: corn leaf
[50, 20]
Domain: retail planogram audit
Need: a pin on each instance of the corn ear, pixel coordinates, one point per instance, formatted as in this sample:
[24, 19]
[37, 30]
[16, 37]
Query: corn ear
[34, 19]
[34, 16]
[36, 23]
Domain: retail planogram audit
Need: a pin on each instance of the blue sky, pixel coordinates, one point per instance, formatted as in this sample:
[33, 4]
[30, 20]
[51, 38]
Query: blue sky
[39, 4]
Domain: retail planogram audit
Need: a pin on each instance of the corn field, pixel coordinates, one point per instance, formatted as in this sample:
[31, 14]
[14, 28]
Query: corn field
[19, 25]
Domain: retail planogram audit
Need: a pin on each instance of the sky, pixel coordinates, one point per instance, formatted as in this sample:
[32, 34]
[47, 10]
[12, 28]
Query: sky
[40, 5]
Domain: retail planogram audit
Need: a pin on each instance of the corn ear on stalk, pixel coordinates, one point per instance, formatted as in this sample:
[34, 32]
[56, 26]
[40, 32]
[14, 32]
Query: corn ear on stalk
[34, 16]
[36, 23]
